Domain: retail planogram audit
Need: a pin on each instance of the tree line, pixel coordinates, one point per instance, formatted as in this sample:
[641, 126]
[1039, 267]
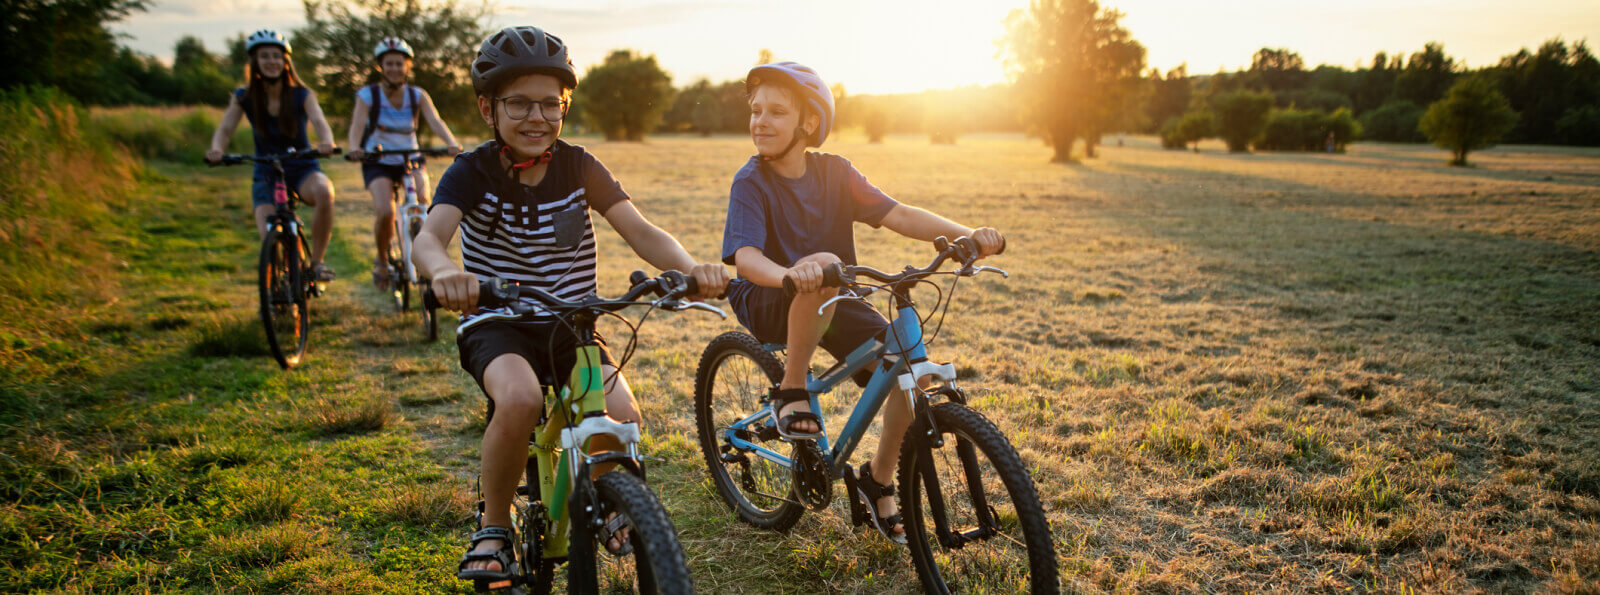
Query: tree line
[1076, 75]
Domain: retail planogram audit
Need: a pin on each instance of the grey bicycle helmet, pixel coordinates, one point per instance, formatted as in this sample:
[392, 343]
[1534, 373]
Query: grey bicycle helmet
[514, 51]
[266, 37]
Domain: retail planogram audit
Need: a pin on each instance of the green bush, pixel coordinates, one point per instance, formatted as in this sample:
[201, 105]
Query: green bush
[1241, 115]
[1395, 121]
[1306, 130]
[1580, 126]
[1170, 136]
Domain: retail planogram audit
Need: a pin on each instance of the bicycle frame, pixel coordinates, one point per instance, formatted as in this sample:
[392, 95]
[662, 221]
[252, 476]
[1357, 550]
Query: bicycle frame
[907, 360]
[408, 211]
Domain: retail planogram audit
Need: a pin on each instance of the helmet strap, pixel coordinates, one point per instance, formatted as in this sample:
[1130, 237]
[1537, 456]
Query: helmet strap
[518, 167]
[799, 132]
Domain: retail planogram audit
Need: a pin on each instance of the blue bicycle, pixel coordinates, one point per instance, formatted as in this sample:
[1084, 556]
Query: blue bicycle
[969, 505]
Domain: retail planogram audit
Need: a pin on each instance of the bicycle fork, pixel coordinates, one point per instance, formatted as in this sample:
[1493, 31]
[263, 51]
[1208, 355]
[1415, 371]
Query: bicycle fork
[929, 440]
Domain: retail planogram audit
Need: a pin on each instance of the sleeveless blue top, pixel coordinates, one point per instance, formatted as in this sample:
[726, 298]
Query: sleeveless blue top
[270, 140]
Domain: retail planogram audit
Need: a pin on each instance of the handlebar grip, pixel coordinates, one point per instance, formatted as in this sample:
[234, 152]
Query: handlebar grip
[487, 298]
[832, 276]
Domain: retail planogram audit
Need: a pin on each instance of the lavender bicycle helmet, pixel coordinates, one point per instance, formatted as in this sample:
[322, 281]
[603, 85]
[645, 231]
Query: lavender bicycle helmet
[812, 90]
[265, 37]
[515, 51]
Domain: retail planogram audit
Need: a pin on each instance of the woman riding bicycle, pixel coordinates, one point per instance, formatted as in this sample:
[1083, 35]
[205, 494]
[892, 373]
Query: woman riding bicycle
[279, 107]
[522, 203]
[386, 115]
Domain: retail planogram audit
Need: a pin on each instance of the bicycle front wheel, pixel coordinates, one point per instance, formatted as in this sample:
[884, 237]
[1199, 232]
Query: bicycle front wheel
[972, 515]
[730, 386]
[283, 304]
[657, 563]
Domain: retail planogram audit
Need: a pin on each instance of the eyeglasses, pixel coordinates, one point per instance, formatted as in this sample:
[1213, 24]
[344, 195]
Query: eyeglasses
[519, 108]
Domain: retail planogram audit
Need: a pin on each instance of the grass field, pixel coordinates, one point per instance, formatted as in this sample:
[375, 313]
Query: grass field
[1269, 372]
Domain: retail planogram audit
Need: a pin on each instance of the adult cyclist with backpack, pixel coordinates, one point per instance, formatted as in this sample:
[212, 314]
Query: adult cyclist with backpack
[386, 115]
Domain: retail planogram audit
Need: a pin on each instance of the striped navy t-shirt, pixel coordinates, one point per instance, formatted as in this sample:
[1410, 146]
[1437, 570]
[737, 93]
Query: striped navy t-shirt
[541, 235]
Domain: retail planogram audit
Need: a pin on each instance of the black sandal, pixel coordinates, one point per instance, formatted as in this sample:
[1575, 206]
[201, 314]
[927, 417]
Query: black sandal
[505, 555]
[784, 396]
[618, 523]
[870, 490]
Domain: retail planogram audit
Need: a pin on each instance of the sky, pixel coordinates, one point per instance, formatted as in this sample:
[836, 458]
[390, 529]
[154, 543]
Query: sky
[892, 46]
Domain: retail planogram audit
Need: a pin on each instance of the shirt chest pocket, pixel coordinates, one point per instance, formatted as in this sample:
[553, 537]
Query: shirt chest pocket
[562, 229]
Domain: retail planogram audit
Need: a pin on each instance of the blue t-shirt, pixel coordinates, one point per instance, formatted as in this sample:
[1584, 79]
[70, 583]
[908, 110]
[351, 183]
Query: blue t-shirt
[789, 219]
[269, 139]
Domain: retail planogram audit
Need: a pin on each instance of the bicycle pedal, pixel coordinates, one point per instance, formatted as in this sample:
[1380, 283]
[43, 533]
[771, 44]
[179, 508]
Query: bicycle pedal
[858, 510]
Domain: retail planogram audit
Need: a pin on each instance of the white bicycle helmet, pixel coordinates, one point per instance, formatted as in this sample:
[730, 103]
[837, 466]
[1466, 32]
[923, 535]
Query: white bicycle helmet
[392, 44]
[266, 37]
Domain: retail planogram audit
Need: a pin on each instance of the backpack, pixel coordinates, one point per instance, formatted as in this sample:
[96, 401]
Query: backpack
[372, 110]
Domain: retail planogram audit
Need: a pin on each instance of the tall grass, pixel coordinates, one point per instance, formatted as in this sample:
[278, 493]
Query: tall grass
[60, 184]
[172, 133]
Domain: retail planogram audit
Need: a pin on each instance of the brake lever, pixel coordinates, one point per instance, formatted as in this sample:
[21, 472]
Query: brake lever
[703, 306]
[971, 271]
[851, 296]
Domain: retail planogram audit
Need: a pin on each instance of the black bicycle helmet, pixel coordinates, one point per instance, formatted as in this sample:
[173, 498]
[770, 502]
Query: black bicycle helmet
[514, 51]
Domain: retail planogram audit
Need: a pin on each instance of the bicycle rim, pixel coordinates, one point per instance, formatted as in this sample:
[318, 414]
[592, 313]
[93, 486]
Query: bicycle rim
[731, 383]
[1021, 556]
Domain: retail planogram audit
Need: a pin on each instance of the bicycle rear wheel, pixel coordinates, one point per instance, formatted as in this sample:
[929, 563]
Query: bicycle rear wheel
[972, 515]
[657, 563]
[284, 305]
[731, 383]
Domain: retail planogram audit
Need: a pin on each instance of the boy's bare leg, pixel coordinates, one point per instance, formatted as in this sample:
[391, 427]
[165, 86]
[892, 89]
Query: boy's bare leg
[510, 381]
[896, 418]
[805, 330]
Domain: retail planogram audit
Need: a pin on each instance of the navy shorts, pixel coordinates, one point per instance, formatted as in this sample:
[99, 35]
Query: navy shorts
[395, 173]
[549, 348]
[765, 311]
[294, 172]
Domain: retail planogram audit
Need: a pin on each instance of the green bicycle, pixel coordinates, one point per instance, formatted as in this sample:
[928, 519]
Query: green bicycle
[560, 513]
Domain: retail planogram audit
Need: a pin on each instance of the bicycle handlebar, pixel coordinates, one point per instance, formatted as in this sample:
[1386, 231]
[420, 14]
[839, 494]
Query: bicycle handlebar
[669, 287]
[963, 249]
[298, 154]
[373, 155]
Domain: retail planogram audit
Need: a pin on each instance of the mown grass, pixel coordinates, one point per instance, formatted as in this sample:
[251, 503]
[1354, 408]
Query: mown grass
[1227, 373]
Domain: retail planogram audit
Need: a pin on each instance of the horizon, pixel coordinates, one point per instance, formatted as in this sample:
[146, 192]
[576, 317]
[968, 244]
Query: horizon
[929, 47]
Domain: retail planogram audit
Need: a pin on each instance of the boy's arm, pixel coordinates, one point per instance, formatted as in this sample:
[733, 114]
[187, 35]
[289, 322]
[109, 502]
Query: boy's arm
[757, 268]
[663, 251]
[318, 121]
[456, 289]
[358, 128]
[921, 224]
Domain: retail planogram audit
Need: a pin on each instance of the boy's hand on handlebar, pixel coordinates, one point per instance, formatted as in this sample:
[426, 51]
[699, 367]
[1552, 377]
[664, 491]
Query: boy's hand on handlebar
[989, 240]
[457, 291]
[213, 156]
[806, 276]
[711, 278]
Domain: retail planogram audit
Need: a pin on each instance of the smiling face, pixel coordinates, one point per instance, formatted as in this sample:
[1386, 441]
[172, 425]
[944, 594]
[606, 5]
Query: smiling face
[533, 135]
[394, 66]
[269, 61]
[774, 115]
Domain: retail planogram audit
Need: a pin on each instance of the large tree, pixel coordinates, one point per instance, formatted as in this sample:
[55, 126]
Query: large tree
[1075, 67]
[1426, 76]
[334, 50]
[1278, 69]
[1473, 115]
[625, 96]
[61, 43]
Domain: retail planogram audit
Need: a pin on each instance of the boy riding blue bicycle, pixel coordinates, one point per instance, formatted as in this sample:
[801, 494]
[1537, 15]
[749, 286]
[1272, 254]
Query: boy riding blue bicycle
[791, 214]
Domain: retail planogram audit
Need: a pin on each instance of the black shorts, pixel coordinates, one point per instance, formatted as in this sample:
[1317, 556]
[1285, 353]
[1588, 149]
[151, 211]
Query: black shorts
[765, 311]
[549, 348]
[395, 173]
